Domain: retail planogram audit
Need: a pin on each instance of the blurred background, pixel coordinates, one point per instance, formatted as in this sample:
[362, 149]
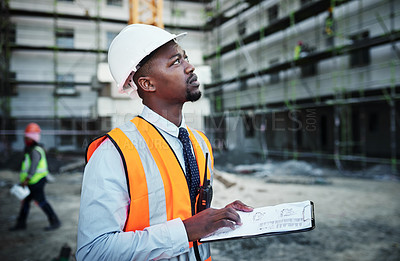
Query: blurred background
[290, 79]
[300, 92]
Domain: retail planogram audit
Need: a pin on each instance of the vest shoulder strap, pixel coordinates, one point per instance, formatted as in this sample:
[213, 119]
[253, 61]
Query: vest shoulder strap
[114, 136]
[209, 147]
[93, 145]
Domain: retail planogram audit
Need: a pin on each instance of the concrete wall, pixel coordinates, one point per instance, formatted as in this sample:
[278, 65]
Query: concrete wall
[36, 70]
[316, 94]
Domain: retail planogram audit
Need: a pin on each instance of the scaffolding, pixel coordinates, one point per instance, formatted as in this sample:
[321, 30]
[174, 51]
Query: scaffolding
[301, 90]
[55, 53]
[7, 89]
[256, 78]
[55, 85]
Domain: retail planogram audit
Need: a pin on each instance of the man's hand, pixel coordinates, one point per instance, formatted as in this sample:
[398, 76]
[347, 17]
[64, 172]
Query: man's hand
[25, 183]
[210, 220]
[239, 205]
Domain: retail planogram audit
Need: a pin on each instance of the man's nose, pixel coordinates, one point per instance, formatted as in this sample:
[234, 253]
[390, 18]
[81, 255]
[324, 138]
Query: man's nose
[189, 67]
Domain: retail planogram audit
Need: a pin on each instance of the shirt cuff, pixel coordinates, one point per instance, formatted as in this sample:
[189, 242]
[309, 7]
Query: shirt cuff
[179, 239]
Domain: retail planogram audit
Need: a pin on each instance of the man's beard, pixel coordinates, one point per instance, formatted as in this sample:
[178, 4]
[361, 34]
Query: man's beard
[193, 96]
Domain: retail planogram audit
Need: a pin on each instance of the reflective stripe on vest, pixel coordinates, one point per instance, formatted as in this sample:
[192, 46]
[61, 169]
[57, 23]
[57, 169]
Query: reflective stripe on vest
[155, 177]
[41, 169]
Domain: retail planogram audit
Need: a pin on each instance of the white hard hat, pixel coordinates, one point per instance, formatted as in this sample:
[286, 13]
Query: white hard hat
[130, 46]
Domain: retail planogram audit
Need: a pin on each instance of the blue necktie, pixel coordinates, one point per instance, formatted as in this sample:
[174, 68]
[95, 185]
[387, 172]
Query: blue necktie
[192, 171]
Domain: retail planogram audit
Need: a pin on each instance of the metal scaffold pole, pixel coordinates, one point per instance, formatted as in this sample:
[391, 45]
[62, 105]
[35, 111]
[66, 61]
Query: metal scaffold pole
[5, 85]
[55, 73]
[393, 129]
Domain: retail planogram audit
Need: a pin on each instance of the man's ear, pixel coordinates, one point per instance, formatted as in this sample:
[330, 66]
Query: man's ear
[145, 84]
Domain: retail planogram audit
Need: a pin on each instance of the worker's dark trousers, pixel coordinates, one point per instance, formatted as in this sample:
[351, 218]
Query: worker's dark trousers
[37, 194]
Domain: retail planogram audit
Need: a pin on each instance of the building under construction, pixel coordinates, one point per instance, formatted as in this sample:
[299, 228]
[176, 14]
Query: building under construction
[54, 65]
[306, 79]
[289, 79]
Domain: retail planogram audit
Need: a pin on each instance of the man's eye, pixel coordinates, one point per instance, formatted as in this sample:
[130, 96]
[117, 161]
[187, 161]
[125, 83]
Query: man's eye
[177, 61]
[187, 59]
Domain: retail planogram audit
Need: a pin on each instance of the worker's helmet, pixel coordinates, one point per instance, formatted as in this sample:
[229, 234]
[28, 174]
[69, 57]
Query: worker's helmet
[32, 131]
[130, 46]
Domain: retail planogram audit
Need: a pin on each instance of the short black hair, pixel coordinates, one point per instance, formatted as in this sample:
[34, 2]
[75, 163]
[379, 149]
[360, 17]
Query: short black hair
[146, 59]
[144, 67]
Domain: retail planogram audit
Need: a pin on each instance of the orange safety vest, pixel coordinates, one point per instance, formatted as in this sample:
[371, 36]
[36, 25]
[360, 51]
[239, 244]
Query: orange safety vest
[156, 181]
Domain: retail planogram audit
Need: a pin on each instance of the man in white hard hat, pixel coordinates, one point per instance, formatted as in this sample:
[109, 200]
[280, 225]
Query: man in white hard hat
[141, 183]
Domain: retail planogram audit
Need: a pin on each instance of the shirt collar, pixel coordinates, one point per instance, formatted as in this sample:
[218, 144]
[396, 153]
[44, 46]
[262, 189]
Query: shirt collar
[162, 123]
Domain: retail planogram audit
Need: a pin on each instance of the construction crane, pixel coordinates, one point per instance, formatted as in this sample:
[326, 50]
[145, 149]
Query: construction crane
[146, 12]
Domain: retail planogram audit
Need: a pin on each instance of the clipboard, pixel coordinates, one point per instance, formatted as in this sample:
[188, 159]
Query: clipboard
[269, 221]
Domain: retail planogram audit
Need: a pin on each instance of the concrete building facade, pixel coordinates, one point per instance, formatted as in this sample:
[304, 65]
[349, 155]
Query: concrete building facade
[307, 79]
[292, 79]
[54, 68]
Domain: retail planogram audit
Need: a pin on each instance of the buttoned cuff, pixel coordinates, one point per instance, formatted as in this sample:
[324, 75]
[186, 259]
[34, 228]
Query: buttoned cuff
[179, 239]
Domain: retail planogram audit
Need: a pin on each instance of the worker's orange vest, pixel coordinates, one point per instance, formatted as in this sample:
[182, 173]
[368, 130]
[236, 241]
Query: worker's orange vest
[153, 172]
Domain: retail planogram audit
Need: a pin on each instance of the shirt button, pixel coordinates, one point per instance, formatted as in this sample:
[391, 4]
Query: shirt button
[182, 249]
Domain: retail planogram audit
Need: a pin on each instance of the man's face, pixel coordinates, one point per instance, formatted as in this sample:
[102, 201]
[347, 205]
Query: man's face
[28, 141]
[172, 75]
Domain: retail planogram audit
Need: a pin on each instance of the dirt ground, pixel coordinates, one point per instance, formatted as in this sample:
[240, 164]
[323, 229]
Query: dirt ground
[356, 219]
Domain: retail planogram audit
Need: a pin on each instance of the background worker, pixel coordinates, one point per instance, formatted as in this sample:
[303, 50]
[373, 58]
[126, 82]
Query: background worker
[141, 181]
[33, 174]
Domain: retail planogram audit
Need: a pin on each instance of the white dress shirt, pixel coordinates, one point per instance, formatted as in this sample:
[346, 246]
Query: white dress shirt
[105, 203]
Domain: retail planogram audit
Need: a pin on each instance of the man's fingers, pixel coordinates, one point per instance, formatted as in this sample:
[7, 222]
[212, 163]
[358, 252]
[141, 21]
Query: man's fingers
[232, 215]
[229, 215]
[239, 205]
[210, 220]
[225, 223]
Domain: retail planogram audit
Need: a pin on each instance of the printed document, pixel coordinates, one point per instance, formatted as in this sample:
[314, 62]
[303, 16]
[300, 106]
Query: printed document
[264, 221]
